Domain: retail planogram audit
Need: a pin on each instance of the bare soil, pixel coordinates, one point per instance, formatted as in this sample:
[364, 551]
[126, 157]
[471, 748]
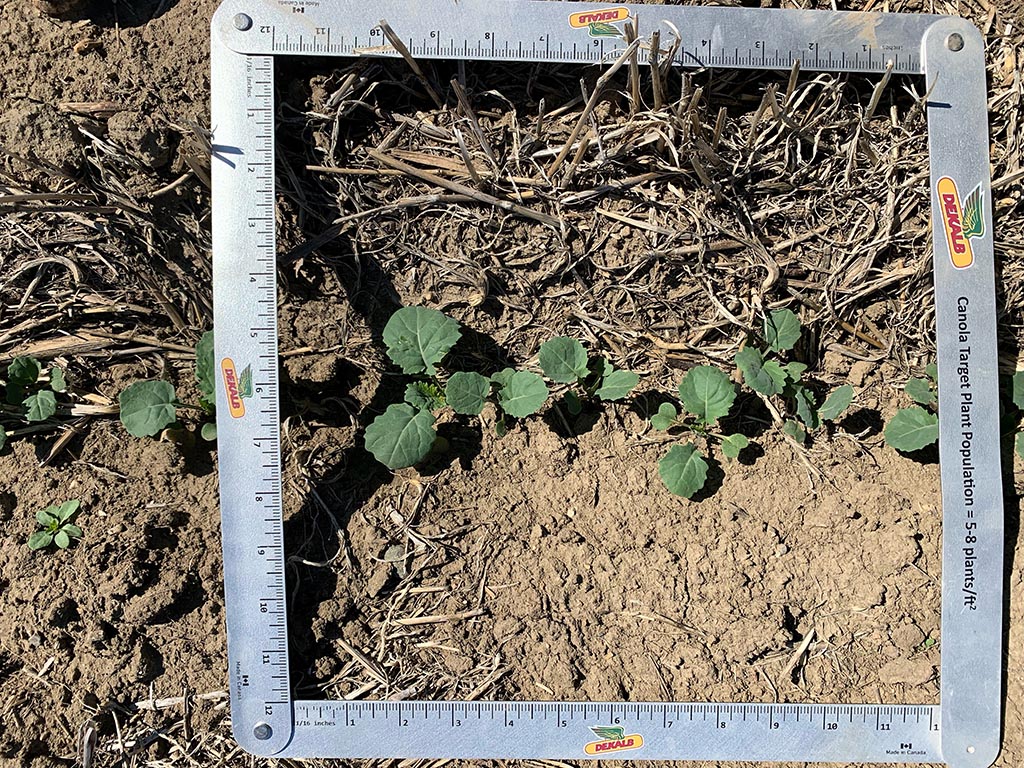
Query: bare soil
[563, 567]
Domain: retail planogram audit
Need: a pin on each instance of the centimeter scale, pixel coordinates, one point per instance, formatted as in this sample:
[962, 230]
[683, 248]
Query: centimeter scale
[963, 731]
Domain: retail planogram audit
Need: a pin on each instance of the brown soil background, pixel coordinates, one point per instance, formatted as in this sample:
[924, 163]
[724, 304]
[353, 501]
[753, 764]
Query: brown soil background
[578, 575]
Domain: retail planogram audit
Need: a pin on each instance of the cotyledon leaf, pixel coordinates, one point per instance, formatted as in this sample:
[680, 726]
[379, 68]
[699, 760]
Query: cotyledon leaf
[617, 384]
[732, 445]
[768, 378]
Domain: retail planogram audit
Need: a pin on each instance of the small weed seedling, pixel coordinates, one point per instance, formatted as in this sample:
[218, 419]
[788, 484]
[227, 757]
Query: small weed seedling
[418, 339]
[565, 361]
[707, 395]
[56, 526]
[149, 407]
[30, 395]
[781, 382]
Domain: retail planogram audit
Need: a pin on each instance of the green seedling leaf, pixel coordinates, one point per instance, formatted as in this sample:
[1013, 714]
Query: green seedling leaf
[573, 404]
[1018, 389]
[795, 430]
[806, 408]
[781, 330]
[523, 395]
[419, 337]
[707, 393]
[502, 377]
[563, 360]
[206, 371]
[733, 444]
[836, 403]
[768, 378]
[920, 391]
[57, 381]
[467, 392]
[665, 417]
[23, 371]
[40, 540]
[424, 395]
[683, 470]
[400, 437]
[617, 384]
[3, 438]
[147, 407]
[1018, 444]
[67, 510]
[56, 526]
[40, 406]
[932, 372]
[912, 429]
[208, 432]
[415, 397]
[794, 371]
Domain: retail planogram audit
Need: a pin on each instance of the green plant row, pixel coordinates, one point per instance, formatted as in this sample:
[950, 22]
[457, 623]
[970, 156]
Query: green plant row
[418, 339]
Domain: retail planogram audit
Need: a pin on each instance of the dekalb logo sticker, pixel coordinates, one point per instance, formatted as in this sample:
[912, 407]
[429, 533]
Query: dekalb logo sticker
[612, 739]
[600, 22]
[962, 221]
[237, 385]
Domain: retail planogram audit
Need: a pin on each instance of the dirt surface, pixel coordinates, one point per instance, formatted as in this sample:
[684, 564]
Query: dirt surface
[563, 566]
[633, 596]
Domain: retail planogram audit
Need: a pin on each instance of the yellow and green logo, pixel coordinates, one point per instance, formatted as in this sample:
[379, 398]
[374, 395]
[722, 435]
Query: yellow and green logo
[601, 22]
[238, 386]
[612, 739]
[962, 220]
